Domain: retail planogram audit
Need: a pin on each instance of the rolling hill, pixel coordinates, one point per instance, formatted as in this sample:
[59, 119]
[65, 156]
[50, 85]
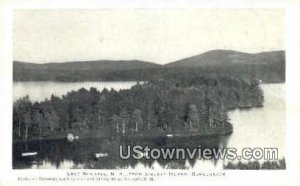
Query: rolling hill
[229, 57]
[267, 66]
[104, 70]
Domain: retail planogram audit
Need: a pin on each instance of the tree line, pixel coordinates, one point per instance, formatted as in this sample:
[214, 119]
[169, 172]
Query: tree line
[255, 165]
[188, 105]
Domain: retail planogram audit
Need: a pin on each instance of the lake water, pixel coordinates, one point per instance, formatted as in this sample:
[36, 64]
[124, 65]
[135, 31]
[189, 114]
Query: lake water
[39, 91]
[261, 127]
[258, 127]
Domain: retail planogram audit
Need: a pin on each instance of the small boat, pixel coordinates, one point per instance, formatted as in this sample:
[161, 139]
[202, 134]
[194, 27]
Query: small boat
[101, 155]
[245, 106]
[70, 137]
[170, 135]
[26, 154]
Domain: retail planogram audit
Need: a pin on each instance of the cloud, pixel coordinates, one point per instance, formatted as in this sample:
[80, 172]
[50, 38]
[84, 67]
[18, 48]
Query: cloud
[157, 35]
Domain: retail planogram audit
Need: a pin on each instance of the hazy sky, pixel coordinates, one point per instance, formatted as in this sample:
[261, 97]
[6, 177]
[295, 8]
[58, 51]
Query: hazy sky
[159, 35]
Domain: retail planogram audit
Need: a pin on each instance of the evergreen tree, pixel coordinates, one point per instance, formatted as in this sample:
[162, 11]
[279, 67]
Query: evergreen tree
[193, 118]
[137, 120]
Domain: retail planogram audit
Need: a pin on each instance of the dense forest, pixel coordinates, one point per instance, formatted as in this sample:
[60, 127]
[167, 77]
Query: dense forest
[189, 104]
[267, 66]
[255, 165]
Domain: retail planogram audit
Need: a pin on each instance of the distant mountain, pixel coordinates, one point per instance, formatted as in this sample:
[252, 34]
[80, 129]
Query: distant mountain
[88, 65]
[267, 66]
[229, 57]
[104, 70]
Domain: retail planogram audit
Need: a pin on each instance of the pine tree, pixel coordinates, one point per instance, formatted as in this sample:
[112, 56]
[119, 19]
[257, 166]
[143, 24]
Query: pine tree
[137, 119]
[193, 118]
[124, 121]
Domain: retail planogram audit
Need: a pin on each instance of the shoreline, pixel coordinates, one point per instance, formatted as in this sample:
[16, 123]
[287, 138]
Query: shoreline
[227, 131]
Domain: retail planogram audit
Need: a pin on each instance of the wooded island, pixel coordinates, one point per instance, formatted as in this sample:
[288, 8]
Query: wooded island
[187, 106]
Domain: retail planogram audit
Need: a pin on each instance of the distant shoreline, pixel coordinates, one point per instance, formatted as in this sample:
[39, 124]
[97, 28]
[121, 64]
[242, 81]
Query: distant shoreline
[266, 66]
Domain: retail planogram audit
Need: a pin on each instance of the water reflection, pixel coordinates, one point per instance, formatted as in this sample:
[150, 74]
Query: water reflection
[41, 90]
[61, 154]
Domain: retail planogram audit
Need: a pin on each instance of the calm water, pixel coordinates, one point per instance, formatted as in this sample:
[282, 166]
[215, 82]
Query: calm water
[261, 127]
[39, 91]
[258, 127]
[81, 154]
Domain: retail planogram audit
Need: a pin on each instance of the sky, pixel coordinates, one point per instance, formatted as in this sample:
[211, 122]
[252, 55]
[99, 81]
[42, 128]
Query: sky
[154, 35]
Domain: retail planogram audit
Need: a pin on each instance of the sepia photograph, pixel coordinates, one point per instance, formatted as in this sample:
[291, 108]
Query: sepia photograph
[149, 89]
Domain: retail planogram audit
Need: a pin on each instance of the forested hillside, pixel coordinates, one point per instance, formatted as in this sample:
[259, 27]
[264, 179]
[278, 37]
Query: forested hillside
[84, 71]
[267, 66]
